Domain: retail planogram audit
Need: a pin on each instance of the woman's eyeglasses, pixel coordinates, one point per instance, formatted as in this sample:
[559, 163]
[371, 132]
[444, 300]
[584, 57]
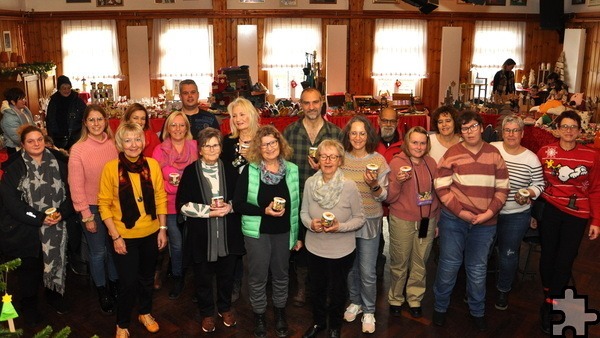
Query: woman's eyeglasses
[271, 144]
[332, 158]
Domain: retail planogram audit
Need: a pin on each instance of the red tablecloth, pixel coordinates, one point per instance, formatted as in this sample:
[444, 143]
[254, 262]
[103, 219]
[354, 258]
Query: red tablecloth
[490, 119]
[85, 96]
[156, 124]
[534, 138]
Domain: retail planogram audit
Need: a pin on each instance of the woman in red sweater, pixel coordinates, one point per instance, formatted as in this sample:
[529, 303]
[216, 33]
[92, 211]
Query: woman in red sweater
[572, 187]
[137, 113]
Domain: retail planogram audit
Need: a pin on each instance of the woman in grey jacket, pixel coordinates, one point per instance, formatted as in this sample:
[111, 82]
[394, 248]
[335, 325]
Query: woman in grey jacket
[14, 114]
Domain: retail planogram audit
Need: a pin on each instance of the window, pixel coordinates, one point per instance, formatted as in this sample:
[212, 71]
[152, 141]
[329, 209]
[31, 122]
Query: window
[183, 49]
[285, 47]
[90, 51]
[494, 42]
[400, 53]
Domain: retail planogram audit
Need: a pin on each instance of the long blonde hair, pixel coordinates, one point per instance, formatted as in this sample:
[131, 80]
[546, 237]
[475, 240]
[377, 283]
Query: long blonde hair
[248, 108]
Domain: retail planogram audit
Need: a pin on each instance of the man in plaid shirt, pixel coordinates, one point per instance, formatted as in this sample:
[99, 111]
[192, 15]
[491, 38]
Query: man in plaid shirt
[307, 132]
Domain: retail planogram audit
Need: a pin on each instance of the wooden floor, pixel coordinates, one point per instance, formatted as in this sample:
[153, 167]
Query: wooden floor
[180, 318]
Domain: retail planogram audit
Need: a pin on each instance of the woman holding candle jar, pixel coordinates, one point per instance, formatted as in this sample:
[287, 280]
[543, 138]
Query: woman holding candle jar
[212, 236]
[133, 205]
[37, 203]
[176, 152]
[360, 142]
[572, 197]
[84, 181]
[330, 243]
[244, 123]
[270, 230]
[526, 184]
[414, 209]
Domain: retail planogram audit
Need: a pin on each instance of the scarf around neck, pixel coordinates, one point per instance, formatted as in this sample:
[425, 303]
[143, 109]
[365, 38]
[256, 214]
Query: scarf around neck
[217, 244]
[127, 199]
[174, 159]
[271, 178]
[327, 194]
[44, 188]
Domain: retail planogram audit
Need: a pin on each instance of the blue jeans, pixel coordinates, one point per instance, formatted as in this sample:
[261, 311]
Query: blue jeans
[510, 231]
[362, 279]
[175, 245]
[461, 240]
[99, 256]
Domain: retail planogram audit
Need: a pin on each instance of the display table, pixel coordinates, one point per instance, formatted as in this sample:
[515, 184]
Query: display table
[156, 124]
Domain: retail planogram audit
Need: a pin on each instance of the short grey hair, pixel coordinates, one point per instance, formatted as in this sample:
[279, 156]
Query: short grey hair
[513, 119]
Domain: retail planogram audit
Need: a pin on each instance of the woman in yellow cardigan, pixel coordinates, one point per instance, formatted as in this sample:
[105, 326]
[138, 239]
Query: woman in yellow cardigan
[133, 205]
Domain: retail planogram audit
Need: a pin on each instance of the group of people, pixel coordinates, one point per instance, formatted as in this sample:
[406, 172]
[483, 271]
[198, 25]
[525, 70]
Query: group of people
[311, 199]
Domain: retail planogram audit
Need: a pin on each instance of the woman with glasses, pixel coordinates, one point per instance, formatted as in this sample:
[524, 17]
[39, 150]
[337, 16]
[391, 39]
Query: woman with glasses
[133, 206]
[84, 182]
[14, 114]
[176, 152]
[244, 124]
[360, 141]
[524, 172]
[330, 243]
[136, 113]
[472, 184]
[572, 197]
[212, 236]
[35, 181]
[446, 131]
[414, 208]
[270, 229]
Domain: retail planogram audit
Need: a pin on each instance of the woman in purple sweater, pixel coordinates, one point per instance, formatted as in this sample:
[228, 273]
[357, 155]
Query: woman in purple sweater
[88, 155]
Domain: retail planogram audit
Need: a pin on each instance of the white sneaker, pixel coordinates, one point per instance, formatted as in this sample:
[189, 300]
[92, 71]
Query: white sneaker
[368, 323]
[351, 312]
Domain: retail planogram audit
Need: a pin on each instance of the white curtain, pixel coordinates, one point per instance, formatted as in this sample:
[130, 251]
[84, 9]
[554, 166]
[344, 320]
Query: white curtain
[286, 42]
[400, 48]
[90, 50]
[182, 48]
[496, 41]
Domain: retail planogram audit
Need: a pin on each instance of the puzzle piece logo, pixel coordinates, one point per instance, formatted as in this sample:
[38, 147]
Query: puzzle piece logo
[576, 315]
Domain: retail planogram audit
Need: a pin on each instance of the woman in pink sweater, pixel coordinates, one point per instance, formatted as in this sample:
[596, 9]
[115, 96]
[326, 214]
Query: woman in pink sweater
[88, 156]
[176, 152]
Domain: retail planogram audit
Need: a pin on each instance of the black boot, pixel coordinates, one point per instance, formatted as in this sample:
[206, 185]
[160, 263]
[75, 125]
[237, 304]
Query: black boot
[281, 326]
[260, 322]
[106, 302]
[114, 289]
[57, 302]
[546, 317]
[177, 288]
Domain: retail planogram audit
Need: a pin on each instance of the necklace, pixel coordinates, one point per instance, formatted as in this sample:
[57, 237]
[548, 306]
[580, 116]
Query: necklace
[140, 198]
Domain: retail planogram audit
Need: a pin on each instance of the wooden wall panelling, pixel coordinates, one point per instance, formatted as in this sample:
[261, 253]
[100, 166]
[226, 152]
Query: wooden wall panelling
[540, 46]
[360, 61]
[220, 42]
[431, 84]
[591, 68]
[263, 76]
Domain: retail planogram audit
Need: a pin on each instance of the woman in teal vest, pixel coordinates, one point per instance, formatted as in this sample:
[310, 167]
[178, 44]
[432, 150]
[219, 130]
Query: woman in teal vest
[270, 229]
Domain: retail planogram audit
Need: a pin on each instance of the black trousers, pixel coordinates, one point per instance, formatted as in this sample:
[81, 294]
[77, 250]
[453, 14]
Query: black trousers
[204, 272]
[328, 279]
[136, 277]
[29, 274]
[560, 237]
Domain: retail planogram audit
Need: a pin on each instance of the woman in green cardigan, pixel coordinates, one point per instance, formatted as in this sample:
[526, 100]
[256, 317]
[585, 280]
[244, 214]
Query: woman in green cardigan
[270, 229]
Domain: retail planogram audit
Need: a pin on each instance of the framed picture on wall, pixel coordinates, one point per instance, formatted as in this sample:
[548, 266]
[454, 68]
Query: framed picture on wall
[6, 41]
[288, 3]
[518, 2]
[496, 2]
[577, 2]
[593, 3]
[109, 3]
[331, 2]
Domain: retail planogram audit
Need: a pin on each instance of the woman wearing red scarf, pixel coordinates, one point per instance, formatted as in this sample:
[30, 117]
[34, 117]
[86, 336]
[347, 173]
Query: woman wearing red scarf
[133, 205]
